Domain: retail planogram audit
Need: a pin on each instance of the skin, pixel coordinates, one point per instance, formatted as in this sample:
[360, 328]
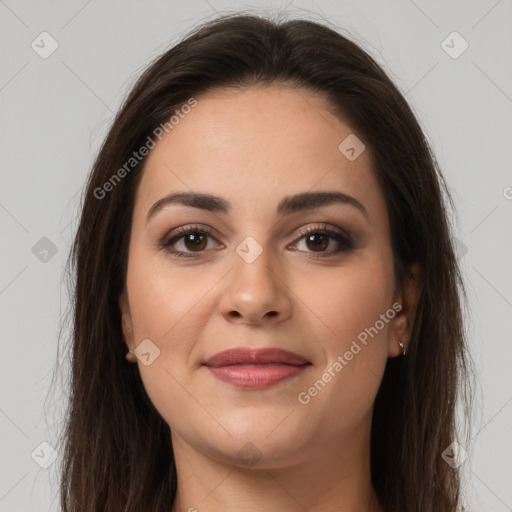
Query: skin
[252, 148]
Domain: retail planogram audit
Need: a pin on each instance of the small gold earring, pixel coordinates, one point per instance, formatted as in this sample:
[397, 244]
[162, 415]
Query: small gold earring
[402, 346]
[131, 357]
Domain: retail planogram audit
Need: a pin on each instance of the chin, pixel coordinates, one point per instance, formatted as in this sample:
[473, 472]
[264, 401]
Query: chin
[258, 453]
[261, 440]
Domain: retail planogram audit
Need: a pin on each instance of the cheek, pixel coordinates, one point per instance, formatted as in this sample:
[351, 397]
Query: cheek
[348, 300]
[170, 308]
[349, 303]
[163, 298]
[343, 391]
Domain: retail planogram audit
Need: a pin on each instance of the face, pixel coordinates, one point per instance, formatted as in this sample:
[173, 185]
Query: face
[257, 268]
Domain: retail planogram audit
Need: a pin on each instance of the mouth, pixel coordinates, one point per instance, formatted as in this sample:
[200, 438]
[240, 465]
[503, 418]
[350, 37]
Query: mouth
[255, 369]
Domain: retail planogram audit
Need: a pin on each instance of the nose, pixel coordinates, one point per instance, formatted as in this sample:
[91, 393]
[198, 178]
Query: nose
[256, 292]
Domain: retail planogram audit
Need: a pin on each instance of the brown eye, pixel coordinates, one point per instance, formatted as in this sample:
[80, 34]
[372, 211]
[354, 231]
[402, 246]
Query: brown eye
[185, 241]
[317, 240]
[191, 240]
[195, 241]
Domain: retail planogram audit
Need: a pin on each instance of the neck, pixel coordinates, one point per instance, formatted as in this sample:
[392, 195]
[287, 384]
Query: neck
[328, 478]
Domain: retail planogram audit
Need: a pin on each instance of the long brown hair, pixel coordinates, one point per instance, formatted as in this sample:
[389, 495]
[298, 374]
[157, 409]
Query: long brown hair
[117, 451]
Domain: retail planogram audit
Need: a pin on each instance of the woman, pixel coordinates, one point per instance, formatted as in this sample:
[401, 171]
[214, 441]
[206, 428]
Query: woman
[264, 237]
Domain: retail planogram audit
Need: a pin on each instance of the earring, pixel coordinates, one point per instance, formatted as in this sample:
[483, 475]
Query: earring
[131, 357]
[402, 346]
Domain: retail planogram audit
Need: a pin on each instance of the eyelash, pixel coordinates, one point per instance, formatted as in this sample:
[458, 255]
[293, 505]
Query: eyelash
[345, 240]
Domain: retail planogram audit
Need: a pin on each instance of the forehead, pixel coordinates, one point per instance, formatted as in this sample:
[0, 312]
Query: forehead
[255, 146]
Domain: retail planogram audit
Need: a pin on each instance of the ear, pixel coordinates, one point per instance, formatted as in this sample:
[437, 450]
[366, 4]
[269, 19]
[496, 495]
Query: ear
[408, 297]
[126, 319]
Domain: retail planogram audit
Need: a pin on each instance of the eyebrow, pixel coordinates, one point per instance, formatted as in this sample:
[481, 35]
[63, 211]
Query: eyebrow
[287, 206]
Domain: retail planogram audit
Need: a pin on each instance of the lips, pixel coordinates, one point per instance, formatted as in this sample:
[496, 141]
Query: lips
[255, 369]
[244, 356]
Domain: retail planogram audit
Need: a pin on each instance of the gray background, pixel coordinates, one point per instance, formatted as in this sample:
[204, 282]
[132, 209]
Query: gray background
[55, 113]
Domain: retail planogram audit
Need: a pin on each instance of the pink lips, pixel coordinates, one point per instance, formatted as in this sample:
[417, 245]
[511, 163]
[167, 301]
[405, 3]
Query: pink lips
[255, 368]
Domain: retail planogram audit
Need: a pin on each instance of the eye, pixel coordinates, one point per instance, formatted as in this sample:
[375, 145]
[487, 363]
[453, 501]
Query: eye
[319, 238]
[193, 238]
